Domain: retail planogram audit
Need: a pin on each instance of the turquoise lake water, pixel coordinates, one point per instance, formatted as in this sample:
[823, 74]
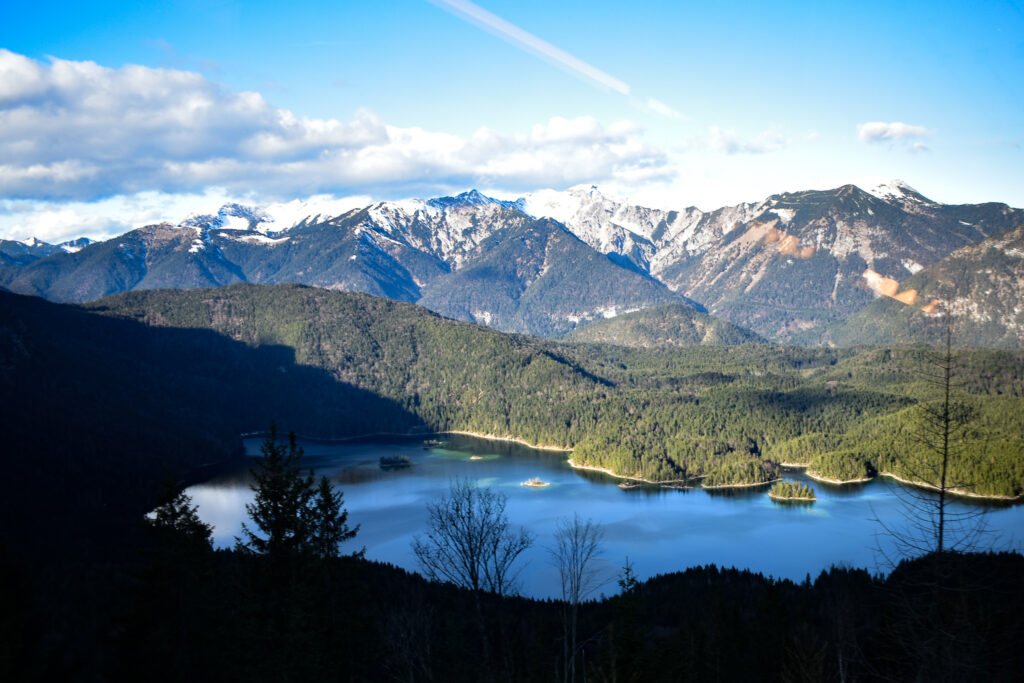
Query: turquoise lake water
[659, 530]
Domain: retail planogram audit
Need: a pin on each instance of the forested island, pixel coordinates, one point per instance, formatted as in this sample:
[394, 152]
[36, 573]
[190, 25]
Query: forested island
[789, 490]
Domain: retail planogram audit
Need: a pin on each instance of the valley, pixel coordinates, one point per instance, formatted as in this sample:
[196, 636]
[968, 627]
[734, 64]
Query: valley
[478, 340]
[659, 529]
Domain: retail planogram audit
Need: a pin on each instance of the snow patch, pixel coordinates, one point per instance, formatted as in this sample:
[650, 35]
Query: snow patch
[256, 239]
[233, 223]
[786, 215]
[913, 266]
[895, 189]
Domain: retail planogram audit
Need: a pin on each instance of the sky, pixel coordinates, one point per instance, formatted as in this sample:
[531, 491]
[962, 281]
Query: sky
[118, 114]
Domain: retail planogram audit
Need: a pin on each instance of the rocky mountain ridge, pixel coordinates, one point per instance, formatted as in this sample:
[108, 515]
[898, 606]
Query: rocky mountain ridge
[788, 267]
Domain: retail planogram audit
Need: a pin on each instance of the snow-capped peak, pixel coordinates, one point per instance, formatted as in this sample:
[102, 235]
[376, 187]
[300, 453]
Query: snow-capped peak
[230, 217]
[32, 242]
[562, 206]
[76, 245]
[470, 198]
[896, 189]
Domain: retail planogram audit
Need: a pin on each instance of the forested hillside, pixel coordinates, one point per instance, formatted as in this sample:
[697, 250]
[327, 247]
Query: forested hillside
[669, 325]
[725, 414]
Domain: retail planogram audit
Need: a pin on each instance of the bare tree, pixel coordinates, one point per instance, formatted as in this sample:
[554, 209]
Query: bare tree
[470, 543]
[469, 540]
[939, 436]
[933, 621]
[576, 554]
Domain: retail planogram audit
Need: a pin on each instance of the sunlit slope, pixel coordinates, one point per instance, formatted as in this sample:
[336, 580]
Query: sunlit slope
[669, 325]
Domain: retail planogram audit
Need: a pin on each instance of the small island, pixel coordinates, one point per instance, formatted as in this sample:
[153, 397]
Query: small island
[535, 482]
[433, 443]
[394, 462]
[792, 491]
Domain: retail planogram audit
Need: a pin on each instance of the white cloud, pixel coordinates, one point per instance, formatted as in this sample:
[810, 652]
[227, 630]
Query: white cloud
[56, 222]
[879, 131]
[80, 131]
[729, 141]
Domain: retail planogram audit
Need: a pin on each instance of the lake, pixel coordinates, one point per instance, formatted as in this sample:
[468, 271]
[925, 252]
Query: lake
[659, 530]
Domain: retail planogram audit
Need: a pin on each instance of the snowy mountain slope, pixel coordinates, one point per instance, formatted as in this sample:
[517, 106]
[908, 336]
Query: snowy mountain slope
[538, 277]
[787, 267]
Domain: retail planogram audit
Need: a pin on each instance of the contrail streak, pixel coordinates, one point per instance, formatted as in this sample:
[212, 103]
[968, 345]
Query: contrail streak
[517, 36]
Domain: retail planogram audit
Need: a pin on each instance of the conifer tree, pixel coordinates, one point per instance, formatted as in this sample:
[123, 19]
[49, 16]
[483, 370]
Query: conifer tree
[328, 522]
[292, 516]
[280, 508]
[178, 524]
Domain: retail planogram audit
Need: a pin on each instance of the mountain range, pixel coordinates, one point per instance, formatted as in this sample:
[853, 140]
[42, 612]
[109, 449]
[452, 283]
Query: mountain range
[791, 268]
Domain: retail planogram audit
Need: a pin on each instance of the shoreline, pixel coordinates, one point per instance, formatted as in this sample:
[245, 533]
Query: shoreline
[837, 482]
[413, 435]
[666, 483]
[715, 487]
[954, 492]
[602, 470]
[920, 484]
[512, 439]
[793, 498]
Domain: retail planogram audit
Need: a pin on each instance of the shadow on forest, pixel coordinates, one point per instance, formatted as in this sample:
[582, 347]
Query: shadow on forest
[99, 410]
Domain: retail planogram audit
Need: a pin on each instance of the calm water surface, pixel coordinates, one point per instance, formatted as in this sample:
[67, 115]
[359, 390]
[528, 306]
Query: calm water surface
[660, 530]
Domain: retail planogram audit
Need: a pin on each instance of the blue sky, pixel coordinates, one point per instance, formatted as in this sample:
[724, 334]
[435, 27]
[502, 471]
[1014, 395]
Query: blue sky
[115, 114]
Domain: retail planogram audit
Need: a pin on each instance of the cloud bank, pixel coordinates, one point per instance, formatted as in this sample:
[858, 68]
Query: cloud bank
[728, 141]
[874, 132]
[74, 130]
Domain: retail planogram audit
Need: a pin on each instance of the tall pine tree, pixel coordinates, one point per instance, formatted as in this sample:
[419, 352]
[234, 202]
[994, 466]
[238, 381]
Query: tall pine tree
[328, 522]
[292, 517]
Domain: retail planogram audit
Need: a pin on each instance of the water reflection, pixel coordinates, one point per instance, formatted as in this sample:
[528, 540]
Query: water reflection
[659, 529]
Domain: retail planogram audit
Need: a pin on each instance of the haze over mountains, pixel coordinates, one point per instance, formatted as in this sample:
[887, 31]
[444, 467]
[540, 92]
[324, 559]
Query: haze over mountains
[791, 268]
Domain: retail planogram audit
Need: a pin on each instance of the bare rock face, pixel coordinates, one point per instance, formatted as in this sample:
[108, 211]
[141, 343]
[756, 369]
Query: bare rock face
[981, 286]
[791, 265]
